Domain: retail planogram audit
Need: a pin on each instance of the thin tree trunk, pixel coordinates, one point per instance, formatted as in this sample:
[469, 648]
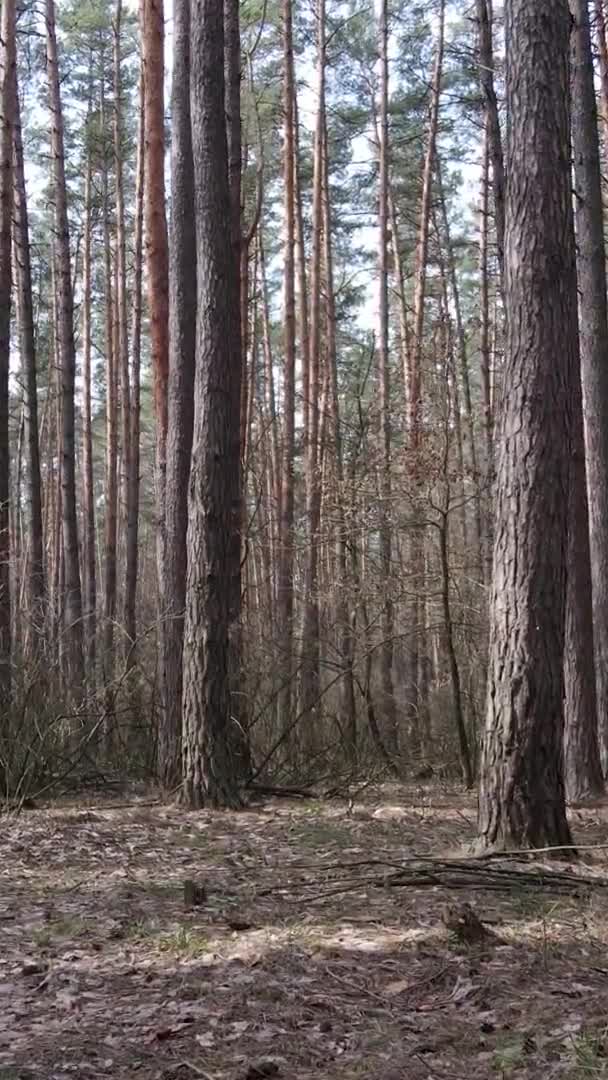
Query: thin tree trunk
[582, 767]
[182, 341]
[8, 85]
[310, 655]
[238, 283]
[347, 712]
[133, 485]
[89, 544]
[285, 582]
[486, 77]
[415, 401]
[602, 44]
[25, 317]
[152, 23]
[300, 273]
[122, 328]
[384, 404]
[463, 357]
[111, 422]
[593, 310]
[72, 604]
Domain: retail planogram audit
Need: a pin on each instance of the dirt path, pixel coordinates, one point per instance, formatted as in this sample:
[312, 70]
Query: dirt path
[104, 974]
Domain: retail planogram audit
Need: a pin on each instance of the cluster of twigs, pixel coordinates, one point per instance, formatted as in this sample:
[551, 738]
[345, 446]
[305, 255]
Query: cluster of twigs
[495, 873]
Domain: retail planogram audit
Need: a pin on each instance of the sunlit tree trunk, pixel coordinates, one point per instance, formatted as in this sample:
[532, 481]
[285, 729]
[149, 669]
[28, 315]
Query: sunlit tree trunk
[152, 23]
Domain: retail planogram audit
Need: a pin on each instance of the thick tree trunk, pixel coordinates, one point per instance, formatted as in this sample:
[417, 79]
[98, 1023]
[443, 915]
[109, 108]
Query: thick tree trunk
[521, 800]
[208, 769]
[72, 604]
[182, 339]
[593, 310]
[8, 85]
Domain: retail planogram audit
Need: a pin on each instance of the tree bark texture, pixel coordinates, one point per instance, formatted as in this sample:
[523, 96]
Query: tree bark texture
[521, 800]
[182, 339]
[212, 516]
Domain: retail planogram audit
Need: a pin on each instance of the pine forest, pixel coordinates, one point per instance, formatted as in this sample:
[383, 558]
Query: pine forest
[303, 539]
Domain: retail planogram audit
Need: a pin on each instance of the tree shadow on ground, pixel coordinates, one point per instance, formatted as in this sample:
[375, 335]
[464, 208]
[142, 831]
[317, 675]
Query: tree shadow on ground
[103, 973]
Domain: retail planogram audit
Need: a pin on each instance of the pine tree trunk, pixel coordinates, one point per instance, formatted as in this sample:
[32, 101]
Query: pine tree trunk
[462, 352]
[416, 391]
[133, 483]
[239, 295]
[347, 712]
[593, 309]
[182, 340]
[208, 768]
[25, 318]
[7, 132]
[286, 561]
[111, 470]
[152, 23]
[310, 655]
[391, 735]
[122, 327]
[485, 355]
[521, 800]
[602, 44]
[89, 544]
[582, 767]
[486, 74]
[72, 602]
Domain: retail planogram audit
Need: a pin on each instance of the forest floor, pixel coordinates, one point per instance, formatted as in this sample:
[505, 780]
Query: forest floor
[103, 973]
